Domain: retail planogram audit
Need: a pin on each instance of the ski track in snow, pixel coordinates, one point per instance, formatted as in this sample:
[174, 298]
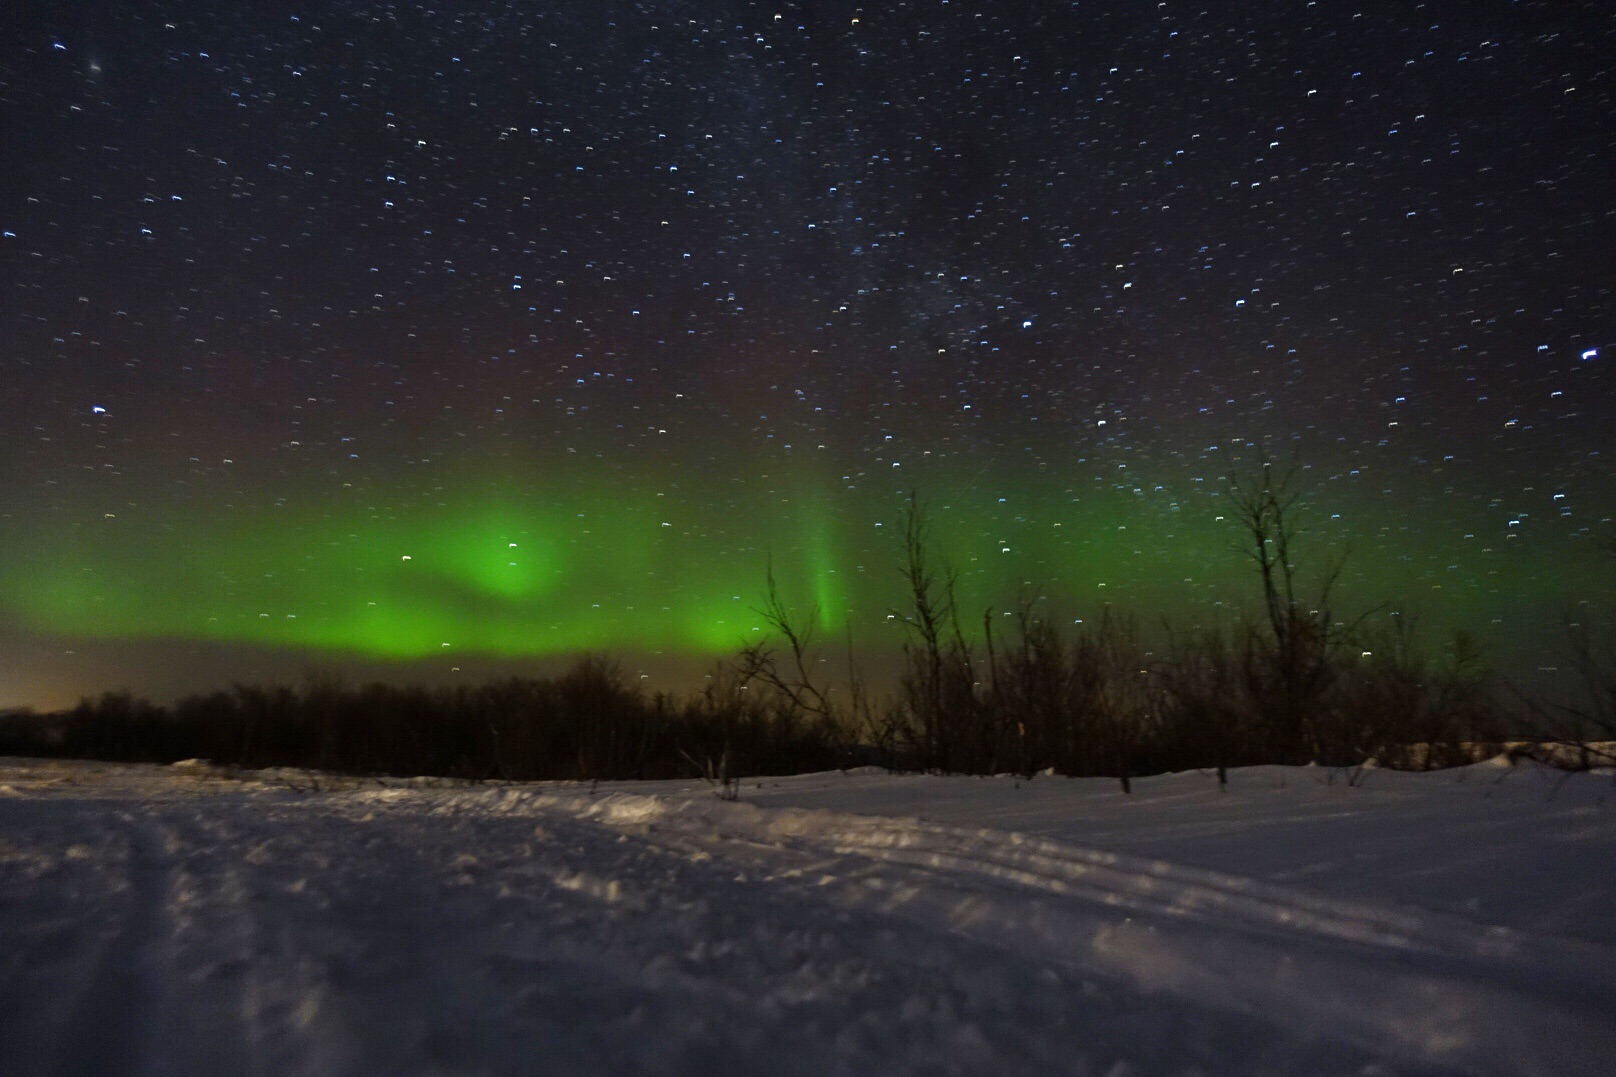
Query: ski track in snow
[117, 1011]
[162, 921]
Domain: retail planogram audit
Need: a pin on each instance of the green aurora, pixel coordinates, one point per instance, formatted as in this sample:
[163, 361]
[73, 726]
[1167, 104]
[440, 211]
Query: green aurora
[511, 570]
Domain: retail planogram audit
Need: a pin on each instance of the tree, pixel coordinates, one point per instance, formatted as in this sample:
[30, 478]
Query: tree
[1290, 661]
[796, 691]
[794, 683]
[1584, 729]
[939, 683]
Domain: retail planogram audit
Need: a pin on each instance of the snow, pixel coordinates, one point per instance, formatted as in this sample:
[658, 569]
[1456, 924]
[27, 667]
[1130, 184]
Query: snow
[188, 920]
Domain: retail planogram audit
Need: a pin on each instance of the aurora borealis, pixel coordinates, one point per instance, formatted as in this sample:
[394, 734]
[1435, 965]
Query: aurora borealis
[385, 337]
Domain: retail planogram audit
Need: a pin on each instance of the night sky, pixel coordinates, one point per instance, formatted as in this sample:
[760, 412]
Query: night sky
[440, 341]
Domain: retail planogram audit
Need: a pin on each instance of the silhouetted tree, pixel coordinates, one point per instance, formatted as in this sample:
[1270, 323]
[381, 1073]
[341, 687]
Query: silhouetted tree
[1289, 662]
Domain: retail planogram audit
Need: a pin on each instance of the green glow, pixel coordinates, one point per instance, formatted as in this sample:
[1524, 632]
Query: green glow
[830, 599]
[494, 579]
[508, 569]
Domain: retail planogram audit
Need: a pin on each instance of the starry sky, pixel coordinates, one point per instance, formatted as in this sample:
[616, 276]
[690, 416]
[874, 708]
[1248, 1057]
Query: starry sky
[438, 341]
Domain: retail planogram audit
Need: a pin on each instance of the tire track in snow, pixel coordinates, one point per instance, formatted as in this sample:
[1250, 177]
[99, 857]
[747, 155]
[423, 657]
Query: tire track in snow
[1198, 894]
[113, 1027]
[378, 948]
[1426, 988]
[217, 936]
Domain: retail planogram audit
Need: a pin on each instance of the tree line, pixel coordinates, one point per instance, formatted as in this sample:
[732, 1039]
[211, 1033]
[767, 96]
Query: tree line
[1296, 683]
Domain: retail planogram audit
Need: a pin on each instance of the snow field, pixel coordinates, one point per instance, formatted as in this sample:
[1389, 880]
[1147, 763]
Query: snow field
[180, 921]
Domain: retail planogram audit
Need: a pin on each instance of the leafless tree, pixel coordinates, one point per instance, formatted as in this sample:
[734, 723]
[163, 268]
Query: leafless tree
[939, 683]
[1290, 663]
[791, 675]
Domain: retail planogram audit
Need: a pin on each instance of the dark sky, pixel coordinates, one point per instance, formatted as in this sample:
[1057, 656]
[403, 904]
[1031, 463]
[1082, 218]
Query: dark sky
[346, 333]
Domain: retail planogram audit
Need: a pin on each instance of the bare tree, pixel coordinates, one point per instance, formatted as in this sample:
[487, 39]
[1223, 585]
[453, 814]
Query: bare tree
[1207, 713]
[1580, 733]
[798, 692]
[793, 678]
[1290, 665]
[1117, 694]
[939, 682]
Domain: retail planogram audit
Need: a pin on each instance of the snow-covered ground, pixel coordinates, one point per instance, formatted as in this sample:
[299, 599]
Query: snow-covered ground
[181, 921]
